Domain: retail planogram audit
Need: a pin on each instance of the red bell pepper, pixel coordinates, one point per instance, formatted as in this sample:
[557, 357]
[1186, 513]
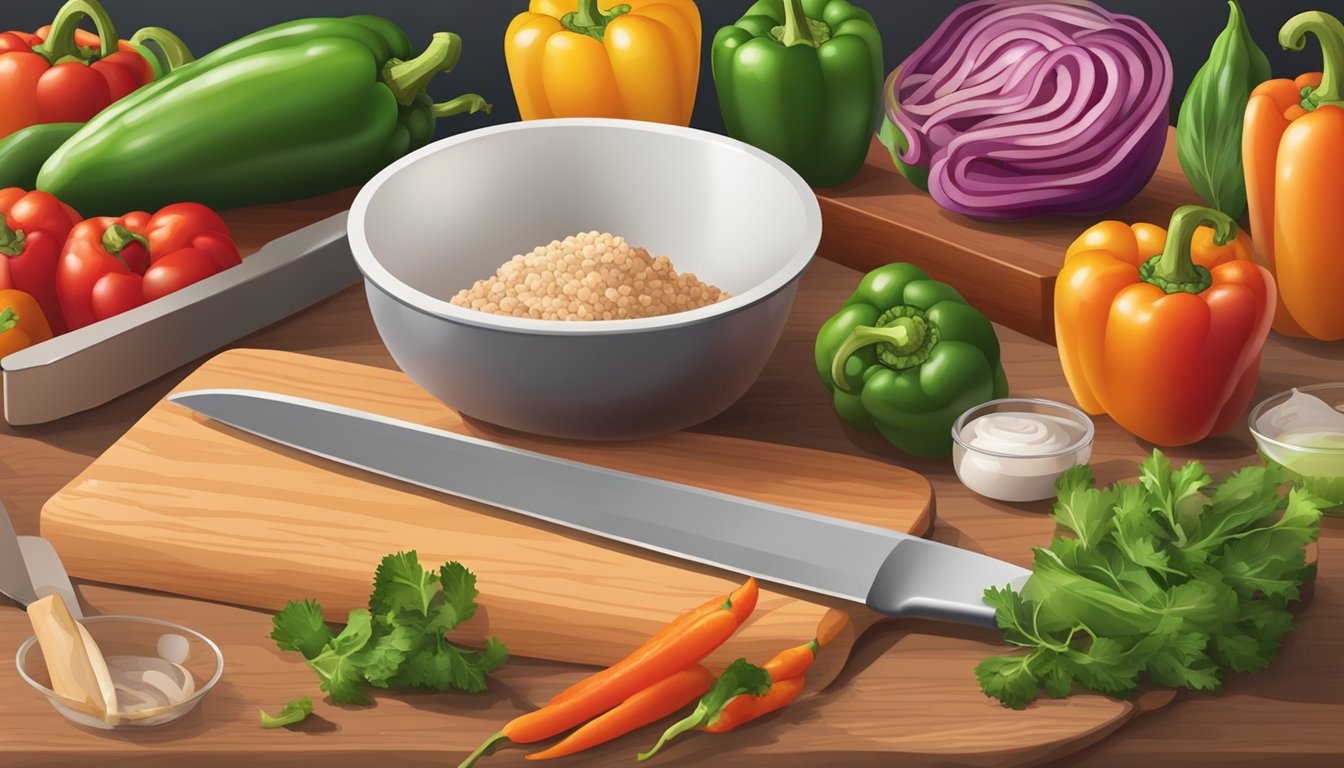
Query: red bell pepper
[62, 74]
[33, 228]
[114, 264]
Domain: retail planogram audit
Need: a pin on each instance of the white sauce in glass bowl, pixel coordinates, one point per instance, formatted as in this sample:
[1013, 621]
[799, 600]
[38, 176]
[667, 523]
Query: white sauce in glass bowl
[1017, 456]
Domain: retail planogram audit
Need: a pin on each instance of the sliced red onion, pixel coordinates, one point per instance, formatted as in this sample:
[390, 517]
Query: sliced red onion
[1023, 108]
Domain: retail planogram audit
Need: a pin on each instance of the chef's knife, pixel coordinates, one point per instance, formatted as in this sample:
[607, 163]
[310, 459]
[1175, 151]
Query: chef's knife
[30, 569]
[893, 573]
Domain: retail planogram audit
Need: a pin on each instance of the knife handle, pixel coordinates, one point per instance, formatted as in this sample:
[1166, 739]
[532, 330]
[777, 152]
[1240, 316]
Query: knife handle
[926, 579]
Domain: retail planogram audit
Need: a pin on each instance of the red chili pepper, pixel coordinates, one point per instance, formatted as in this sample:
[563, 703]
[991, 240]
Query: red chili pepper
[113, 264]
[33, 228]
[62, 74]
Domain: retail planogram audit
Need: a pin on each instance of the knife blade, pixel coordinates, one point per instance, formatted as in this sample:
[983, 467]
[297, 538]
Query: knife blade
[14, 580]
[893, 573]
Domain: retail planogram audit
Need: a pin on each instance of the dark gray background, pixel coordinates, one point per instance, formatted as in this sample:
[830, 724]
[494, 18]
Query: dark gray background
[1188, 28]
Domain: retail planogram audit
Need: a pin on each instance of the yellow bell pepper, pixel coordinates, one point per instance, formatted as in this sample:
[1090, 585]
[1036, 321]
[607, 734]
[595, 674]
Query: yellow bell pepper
[22, 323]
[639, 60]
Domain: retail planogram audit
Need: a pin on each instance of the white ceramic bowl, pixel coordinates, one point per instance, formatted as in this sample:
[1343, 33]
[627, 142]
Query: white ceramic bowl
[452, 212]
[1020, 477]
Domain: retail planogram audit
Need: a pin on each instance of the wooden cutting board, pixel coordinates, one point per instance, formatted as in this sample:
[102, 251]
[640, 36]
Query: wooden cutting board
[187, 506]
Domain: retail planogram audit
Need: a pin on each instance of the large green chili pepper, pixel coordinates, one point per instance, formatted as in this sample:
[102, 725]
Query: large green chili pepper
[292, 111]
[23, 152]
[1208, 130]
[802, 80]
[906, 356]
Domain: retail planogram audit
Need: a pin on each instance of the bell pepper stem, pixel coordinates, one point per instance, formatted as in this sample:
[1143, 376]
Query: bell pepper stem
[1330, 32]
[466, 104]
[590, 20]
[60, 44]
[409, 79]
[175, 52]
[116, 238]
[1174, 270]
[11, 241]
[907, 340]
[8, 319]
[797, 30]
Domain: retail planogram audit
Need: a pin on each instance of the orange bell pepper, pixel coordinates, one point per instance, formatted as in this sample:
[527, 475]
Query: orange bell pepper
[1292, 142]
[1168, 345]
[639, 60]
[22, 323]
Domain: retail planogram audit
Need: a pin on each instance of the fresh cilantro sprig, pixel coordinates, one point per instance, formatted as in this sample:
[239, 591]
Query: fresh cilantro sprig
[1167, 580]
[399, 641]
[293, 713]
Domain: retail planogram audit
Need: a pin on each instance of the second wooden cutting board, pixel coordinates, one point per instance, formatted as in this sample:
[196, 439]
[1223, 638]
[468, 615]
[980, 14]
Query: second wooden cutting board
[187, 506]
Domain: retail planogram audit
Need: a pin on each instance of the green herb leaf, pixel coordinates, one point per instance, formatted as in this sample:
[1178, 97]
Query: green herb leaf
[1209, 125]
[1165, 580]
[338, 664]
[739, 679]
[400, 584]
[294, 712]
[299, 627]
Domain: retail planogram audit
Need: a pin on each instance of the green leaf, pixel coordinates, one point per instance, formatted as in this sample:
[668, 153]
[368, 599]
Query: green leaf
[337, 666]
[459, 597]
[442, 666]
[1105, 666]
[299, 627]
[400, 584]
[1066, 598]
[294, 712]
[739, 679]
[1209, 125]
[1080, 508]
[381, 659]
[1010, 680]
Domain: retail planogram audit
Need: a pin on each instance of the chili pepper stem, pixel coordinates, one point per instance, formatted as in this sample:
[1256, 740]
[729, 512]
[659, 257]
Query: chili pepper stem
[467, 104]
[175, 52]
[409, 79]
[60, 44]
[11, 241]
[1174, 270]
[8, 319]
[485, 750]
[681, 726]
[1330, 33]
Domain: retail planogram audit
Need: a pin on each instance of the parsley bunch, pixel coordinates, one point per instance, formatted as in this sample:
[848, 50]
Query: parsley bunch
[1166, 578]
[399, 641]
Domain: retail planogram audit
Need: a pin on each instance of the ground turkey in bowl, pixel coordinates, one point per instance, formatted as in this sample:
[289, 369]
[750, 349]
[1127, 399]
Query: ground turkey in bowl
[589, 276]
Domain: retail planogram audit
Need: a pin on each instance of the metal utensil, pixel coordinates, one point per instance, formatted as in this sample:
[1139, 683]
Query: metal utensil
[97, 363]
[30, 569]
[893, 573]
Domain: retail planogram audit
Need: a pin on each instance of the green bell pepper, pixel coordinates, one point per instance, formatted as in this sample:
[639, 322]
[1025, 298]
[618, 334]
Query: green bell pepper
[802, 80]
[906, 356]
[292, 111]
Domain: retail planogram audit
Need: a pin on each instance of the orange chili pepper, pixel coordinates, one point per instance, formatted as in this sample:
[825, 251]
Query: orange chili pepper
[1292, 141]
[786, 671]
[649, 705]
[1168, 345]
[741, 602]
[649, 665]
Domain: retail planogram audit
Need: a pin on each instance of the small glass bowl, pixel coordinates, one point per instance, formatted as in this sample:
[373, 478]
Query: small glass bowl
[1318, 470]
[1013, 477]
[128, 636]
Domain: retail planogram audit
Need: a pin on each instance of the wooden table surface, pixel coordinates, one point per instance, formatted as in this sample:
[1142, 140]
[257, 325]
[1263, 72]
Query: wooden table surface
[1289, 715]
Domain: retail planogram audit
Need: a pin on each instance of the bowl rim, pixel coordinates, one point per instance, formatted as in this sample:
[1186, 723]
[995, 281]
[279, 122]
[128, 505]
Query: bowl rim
[1080, 418]
[376, 274]
[1264, 405]
[183, 705]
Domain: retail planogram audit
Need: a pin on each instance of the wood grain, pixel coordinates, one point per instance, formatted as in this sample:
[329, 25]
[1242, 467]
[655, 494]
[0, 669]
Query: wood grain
[1285, 716]
[1005, 269]
[187, 506]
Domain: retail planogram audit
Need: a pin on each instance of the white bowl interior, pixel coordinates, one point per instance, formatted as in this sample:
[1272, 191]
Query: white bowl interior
[452, 213]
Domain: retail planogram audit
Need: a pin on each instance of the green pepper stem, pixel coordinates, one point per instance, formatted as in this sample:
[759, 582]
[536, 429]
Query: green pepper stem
[904, 336]
[485, 750]
[117, 237]
[814, 646]
[8, 319]
[797, 30]
[589, 15]
[409, 79]
[1330, 32]
[467, 104]
[590, 20]
[11, 241]
[60, 44]
[689, 722]
[1176, 265]
[175, 52]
